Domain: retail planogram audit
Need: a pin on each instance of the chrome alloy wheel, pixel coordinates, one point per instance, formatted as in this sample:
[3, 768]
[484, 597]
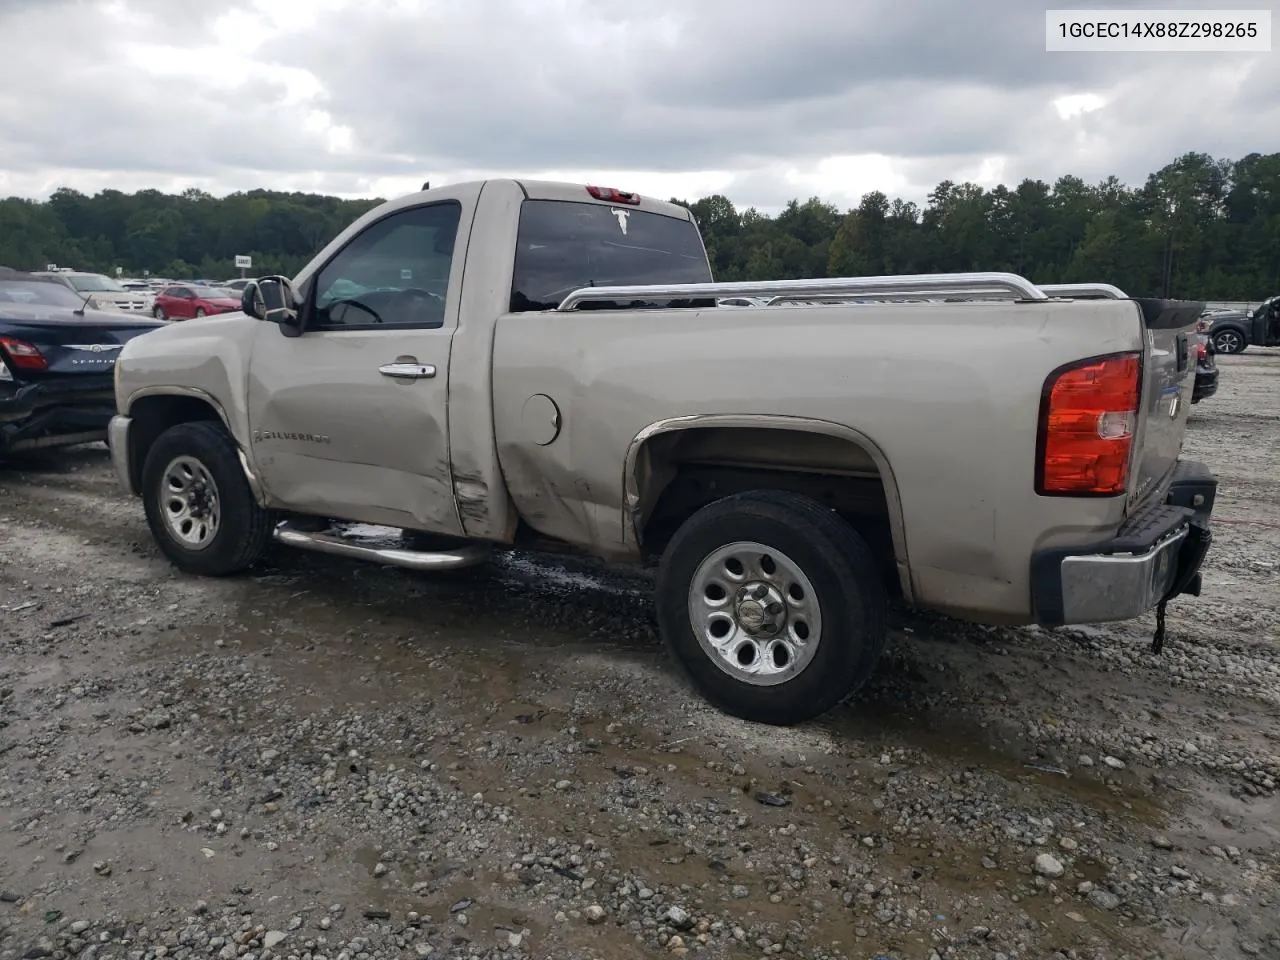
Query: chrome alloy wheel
[755, 613]
[190, 502]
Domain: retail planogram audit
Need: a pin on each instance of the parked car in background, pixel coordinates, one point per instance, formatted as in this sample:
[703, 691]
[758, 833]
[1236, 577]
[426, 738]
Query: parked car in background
[238, 284]
[1227, 329]
[57, 363]
[100, 292]
[1233, 331]
[187, 302]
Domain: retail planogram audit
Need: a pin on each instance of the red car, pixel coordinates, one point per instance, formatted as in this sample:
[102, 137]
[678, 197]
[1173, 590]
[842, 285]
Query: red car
[185, 302]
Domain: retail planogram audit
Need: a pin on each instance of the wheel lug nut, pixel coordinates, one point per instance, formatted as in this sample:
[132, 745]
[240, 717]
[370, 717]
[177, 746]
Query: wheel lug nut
[761, 591]
[774, 608]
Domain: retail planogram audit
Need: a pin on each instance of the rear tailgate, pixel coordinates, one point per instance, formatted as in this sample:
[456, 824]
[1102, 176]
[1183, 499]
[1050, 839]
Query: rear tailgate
[1169, 373]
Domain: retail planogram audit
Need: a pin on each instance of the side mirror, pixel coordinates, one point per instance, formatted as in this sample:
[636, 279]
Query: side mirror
[272, 299]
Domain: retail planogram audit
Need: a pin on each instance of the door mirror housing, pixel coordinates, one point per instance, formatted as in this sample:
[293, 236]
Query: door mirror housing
[272, 299]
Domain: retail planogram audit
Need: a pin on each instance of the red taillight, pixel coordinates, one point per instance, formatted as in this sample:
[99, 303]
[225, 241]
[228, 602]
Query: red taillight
[1201, 350]
[23, 355]
[1087, 419]
[614, 196]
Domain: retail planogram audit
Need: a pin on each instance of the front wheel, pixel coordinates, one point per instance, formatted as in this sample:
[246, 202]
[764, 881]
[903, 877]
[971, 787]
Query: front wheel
[198, 503]
[772, 605]
[158, 313]
[1229, 341]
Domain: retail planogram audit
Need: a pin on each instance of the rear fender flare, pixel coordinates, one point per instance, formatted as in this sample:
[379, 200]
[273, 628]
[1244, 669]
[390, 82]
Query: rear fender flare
[631, 487]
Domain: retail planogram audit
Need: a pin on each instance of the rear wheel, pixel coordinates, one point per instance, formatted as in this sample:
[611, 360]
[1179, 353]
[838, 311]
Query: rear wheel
[1229, 341]
[199, 311]
[772, 605]
[198, 503]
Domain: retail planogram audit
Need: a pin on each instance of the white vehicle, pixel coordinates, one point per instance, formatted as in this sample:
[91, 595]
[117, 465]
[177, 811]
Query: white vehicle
[101, 292]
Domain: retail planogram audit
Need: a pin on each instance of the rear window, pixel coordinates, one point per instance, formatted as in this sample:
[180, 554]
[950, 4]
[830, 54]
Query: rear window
[562, 246]
[38, 291]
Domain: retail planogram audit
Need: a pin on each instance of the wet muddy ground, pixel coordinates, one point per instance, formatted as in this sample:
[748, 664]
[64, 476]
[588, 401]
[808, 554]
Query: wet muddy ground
[334, 761]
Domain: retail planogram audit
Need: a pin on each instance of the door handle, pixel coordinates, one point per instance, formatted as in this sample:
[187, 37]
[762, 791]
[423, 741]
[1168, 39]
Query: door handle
[408, 371]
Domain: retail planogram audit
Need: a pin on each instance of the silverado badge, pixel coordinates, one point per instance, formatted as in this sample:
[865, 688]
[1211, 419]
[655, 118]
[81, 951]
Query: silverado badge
[260, 435]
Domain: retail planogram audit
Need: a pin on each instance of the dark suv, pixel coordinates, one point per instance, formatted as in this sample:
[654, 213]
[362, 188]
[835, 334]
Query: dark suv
[1233, 331]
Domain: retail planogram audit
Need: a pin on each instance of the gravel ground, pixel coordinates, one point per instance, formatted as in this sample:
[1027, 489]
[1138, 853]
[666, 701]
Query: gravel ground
[333, 761]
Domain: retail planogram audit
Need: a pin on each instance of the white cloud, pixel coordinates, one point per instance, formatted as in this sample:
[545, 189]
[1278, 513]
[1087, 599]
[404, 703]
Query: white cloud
[845, 179]
[1077, 104]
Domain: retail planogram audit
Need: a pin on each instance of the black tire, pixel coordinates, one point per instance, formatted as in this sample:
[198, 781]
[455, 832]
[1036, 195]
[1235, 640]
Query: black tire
[1229, 340]
[244, 528]
[158, 313]
[846, 580]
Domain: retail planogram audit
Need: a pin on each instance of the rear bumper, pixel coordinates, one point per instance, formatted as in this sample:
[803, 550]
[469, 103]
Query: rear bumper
[1206, 383]
[1155, 556]
[53, 412]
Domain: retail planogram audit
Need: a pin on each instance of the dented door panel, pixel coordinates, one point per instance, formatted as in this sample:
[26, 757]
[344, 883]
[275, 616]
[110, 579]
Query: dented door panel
[349, 419]
[333, 436]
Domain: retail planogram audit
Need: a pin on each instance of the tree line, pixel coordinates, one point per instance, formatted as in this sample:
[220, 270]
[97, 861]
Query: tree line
[1200, 228]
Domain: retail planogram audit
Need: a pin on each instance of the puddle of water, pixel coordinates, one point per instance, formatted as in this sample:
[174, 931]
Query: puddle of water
[545, 573]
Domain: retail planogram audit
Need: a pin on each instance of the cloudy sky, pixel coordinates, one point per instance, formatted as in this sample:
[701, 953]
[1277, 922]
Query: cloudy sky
[763, 100]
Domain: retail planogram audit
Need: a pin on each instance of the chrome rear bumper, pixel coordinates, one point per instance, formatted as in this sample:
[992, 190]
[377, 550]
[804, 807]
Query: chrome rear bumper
[1155, 556]
[1097, 588]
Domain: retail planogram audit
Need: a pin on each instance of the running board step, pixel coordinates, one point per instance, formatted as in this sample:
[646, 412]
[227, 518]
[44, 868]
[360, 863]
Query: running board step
[329, 541]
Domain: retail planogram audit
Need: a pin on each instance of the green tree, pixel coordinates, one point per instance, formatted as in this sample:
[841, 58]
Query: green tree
[1198, 227]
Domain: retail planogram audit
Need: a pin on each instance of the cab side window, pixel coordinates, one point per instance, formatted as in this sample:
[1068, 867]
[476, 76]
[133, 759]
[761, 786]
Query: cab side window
[394, 274]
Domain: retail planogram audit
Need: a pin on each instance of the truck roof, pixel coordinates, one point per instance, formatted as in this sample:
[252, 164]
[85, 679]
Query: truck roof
[539, 190]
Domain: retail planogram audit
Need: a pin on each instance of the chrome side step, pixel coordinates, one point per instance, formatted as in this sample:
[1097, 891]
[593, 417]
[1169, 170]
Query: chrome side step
[466, 555]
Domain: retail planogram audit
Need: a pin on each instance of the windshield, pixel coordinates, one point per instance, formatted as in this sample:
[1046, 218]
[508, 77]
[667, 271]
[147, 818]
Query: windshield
[38, 291]
[563, 246]
[95, 283]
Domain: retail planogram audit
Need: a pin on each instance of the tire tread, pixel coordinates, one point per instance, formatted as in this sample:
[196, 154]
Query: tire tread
[211, 442]
[852, 562]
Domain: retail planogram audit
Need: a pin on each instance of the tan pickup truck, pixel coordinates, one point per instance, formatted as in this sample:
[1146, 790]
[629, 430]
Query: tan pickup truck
[521, 364]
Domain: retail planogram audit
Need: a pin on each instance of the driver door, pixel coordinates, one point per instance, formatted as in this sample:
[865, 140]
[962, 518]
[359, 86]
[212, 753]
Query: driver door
[348, 419]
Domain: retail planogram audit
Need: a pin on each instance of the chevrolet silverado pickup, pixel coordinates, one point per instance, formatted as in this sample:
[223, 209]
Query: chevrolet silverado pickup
[526, 364]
